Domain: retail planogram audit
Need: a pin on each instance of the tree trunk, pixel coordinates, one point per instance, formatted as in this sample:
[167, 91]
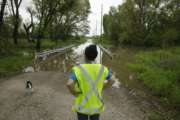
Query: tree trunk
[15, 31]
[38, 43]
[2, 12]
[27, 29]
[16, 26]
[15, 4]
[28, 37]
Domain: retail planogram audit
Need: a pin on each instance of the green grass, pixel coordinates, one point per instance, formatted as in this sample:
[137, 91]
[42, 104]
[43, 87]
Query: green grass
[12, 65]
[156, 77]
[12, 60]
[160, 71]
[156, 116]
[103, 41]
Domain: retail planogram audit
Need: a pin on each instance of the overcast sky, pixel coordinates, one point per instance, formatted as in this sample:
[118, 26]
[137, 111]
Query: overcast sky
[94, 17]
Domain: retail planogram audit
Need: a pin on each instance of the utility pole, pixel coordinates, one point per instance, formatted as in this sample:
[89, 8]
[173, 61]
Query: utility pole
[101, 30]
[96, 28]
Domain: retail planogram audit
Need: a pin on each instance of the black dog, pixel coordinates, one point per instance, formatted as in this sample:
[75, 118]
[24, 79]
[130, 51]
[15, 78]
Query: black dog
[29, 87]
[29, 84]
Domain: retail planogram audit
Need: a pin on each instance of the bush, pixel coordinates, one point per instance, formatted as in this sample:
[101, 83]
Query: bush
[158, 80]
[175, 96]
[6, 46]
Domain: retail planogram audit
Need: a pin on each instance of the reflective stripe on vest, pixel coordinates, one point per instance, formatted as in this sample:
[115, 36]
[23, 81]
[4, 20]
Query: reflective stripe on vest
[93, 85]
[89, 110]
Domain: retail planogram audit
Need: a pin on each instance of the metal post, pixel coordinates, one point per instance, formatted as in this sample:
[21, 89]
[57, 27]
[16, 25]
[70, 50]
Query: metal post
[101, 30]
[101, 22]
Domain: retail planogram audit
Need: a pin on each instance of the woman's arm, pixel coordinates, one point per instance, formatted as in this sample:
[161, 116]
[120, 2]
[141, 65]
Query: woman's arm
[71, 87]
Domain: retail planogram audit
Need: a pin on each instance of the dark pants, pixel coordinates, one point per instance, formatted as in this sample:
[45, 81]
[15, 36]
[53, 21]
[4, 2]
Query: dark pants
[85, 117]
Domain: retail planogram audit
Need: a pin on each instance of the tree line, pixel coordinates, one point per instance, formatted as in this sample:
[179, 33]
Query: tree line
[144, 23]
[52, 19]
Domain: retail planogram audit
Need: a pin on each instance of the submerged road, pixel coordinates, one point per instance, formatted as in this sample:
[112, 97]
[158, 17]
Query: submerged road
[52, 101]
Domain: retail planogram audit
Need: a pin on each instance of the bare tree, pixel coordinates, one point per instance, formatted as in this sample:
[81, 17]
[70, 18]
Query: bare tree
[29, 27]
[15, 4]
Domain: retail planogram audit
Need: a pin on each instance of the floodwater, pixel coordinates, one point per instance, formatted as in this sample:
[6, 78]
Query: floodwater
[76, 57]
[78, 52]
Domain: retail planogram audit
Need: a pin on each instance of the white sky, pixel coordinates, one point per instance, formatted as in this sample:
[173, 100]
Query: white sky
[94, 17]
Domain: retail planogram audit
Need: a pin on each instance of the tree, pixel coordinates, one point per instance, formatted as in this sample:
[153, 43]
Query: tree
[61, 19]
[45, 10]
[3, 4]
[144, 23]
[29, 27]
[72, 19]
[77, 22]
[15, 4]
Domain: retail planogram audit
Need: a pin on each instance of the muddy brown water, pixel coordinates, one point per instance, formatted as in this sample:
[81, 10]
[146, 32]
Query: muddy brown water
[52, 101]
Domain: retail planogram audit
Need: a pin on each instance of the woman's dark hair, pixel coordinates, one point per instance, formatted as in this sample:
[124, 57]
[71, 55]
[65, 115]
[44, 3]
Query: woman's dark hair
[91, 52]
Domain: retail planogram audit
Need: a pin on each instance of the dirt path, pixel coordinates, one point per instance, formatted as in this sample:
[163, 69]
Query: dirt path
[52, 101]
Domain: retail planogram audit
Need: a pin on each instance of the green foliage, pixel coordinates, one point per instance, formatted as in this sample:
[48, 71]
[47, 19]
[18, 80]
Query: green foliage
[61, 19]
[6, 47]
[144, 23]
[156, 116]
[159, 71]
[175, 95]
[13, 64]
[48, 44]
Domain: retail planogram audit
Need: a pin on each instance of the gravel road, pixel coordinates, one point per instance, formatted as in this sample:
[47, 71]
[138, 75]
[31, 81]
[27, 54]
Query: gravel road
[52, 101]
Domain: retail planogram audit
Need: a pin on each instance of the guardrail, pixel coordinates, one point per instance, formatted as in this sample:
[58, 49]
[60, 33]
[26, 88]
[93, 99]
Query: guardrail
[50, 52]
[106, 51]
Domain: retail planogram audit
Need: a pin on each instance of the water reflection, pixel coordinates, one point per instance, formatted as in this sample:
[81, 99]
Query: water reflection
[78, 52]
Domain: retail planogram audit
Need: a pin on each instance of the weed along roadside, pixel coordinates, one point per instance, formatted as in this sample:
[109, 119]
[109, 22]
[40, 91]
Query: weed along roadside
[13, 65]
[152, 75]
[18, 58]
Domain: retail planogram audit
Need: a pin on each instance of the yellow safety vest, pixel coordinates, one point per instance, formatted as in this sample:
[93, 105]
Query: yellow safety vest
[90, 79]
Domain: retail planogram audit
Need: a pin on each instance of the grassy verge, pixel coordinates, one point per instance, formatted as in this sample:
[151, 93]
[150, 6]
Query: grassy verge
[11, 65]
[14, 59]
[156, 74]
[159, 71]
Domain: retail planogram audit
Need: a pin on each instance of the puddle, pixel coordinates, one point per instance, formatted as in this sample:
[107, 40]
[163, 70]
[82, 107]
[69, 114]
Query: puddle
[78, 52]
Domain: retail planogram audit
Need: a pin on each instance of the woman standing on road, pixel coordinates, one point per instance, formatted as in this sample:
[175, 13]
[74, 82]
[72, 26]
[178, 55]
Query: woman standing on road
[86, 83]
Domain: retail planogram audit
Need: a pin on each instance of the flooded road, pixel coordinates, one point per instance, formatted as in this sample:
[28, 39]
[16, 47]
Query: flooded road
[78, 52]
[64, 62]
